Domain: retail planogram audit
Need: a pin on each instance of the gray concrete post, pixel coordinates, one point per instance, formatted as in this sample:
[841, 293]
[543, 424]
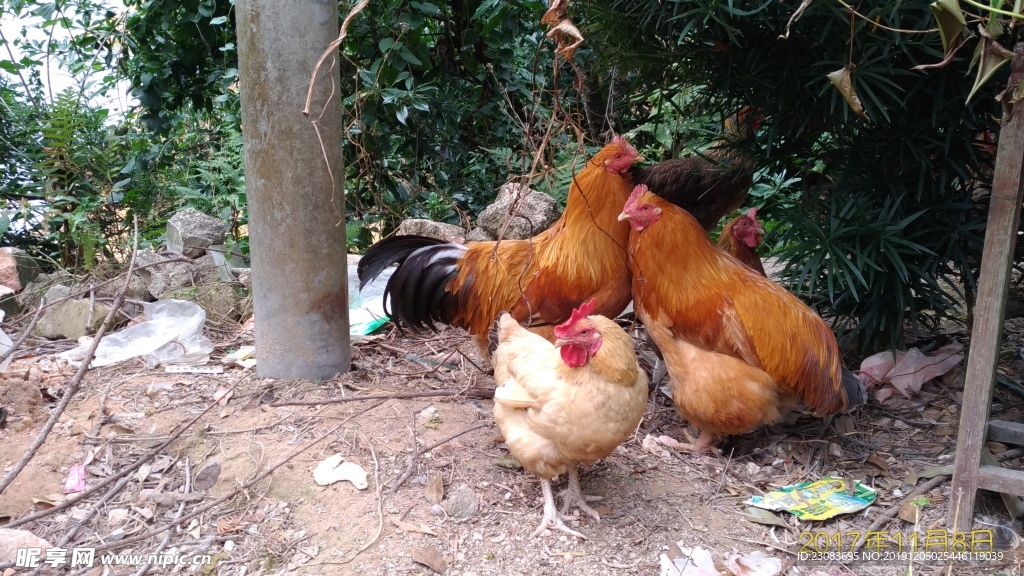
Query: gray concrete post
[296, 217]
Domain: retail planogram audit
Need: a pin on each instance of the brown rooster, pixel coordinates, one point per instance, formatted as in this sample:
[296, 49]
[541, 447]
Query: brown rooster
[741, 350]
[740, 237]
[539, 281]
[713, 184]
[568, 403]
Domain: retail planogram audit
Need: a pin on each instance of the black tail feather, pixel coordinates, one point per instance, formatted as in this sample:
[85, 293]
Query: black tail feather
[417, 291]
[387, 252]
[855, 391]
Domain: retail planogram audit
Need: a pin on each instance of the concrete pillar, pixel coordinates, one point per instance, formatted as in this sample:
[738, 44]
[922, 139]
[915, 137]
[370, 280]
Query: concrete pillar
[296, 216]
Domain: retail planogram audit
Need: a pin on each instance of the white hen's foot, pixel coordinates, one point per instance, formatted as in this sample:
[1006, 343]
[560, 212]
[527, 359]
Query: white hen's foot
[573, 495]
[552, 518]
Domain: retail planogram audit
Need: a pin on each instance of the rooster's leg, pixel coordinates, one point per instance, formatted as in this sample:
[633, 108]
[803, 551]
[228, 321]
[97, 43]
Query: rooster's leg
[552, 519]
[573, 495]
[705, 443]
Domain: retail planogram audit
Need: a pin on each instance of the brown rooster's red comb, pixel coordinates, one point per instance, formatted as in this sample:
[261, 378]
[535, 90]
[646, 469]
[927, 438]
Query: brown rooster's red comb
[585, 309]
[752, 214]
[620, 141]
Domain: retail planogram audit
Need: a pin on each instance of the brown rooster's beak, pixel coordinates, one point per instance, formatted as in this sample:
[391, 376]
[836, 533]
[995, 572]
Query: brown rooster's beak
[559, 343]
[623, 216]
[639, 158]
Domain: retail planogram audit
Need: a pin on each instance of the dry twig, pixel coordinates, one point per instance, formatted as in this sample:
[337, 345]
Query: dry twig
[76, 381]
[397, 482]
[259, 478]
[470, 393]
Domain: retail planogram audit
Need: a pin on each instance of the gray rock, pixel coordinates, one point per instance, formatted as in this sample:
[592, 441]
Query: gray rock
[220, 300]
[535, 213]
[462, 503]
[17, 268]
[57, 292]
[431, 229]
[207, 270]
[162, 278]
[137, 289]
[9, 306]
[70, 319]
[190, 232]
[32, 294]
[479, 235]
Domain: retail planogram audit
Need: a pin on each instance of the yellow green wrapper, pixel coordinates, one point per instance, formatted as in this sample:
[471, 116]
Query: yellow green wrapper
[818, 500]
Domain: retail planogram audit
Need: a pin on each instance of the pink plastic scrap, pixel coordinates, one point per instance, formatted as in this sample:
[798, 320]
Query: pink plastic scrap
[76, 480]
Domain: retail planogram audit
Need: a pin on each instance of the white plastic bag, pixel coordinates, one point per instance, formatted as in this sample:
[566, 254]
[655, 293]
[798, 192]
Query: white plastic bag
[171, 334]
[5, 346]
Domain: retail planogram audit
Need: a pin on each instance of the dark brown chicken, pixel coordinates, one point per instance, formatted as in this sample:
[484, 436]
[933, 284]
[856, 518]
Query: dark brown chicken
[714, 183]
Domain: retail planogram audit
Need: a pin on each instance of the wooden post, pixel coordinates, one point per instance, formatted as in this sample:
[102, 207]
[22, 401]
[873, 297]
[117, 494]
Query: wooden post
[993, 285]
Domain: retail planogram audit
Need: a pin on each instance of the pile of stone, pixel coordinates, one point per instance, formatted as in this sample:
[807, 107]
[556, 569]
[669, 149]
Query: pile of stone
[534, 212]
[194, 265]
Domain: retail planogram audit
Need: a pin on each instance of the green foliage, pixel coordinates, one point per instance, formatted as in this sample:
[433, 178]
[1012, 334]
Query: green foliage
[856, 239]
[178, 54]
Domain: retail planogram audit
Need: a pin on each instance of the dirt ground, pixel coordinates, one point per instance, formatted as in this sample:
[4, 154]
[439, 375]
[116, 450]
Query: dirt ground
[655, 499]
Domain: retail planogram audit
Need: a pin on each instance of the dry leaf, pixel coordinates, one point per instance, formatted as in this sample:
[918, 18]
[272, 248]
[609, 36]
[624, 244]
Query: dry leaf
[842, 81]
[119, 429]
[996, 447]
[950, 19]
[433, 491]
[910, 512]
[762, 516]
[222, 395]
[207, 477]
[991, 56]
[876, 461]
[430, 557]
[227, 412]
[796, 16]
[143, 473]
[929, 473]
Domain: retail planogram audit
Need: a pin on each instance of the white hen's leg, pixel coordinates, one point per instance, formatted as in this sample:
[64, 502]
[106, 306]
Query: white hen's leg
[573, 495]
[552, 519]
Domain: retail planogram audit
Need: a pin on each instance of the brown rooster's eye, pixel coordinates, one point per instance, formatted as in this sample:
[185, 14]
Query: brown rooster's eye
[647, 207]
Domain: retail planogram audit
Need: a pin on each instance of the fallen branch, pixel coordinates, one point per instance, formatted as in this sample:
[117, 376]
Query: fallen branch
[113, 477]
[202, 510]
[397, 482]
[76, 381]
[891, 512]
[486, 393]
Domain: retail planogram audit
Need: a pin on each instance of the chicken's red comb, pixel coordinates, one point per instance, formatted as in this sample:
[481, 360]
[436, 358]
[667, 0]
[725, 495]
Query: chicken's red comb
[638, 191]
[585, 309]
[752, 214]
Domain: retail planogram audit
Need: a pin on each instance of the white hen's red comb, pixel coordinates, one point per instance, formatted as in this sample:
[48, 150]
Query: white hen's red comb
[585, 309]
